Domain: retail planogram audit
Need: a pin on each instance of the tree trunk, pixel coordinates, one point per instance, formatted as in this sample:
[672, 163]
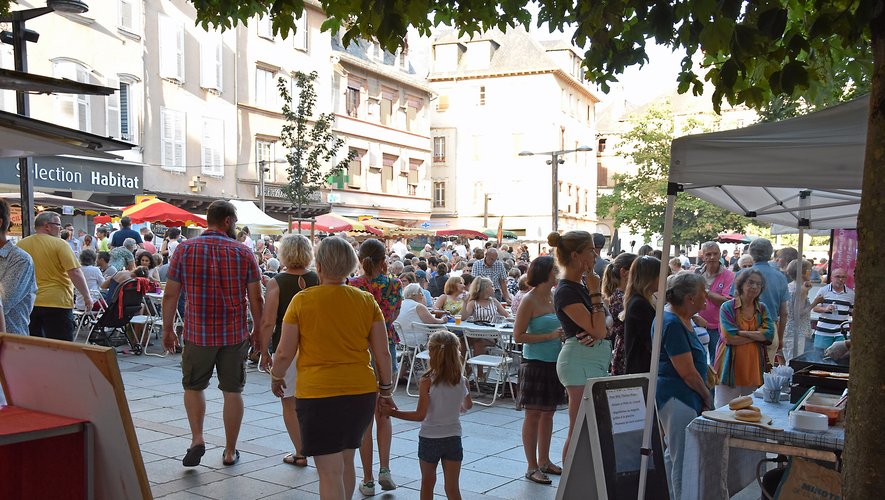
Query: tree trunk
[863, 475]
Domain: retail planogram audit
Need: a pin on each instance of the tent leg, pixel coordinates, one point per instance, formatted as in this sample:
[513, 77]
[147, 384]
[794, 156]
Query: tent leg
[647, 448]
[797, 305]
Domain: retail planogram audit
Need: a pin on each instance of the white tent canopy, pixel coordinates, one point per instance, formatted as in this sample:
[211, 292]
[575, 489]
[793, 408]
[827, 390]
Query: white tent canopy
[765, 170]
[259, 222]
[804, 172]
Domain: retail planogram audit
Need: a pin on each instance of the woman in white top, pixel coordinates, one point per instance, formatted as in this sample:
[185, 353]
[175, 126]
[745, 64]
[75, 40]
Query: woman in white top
[93, 275]
[413, 310]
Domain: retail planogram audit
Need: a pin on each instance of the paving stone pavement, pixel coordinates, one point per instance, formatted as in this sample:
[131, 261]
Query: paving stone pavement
[493, 465]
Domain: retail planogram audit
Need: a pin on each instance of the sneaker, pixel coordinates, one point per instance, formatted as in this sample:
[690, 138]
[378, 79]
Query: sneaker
[367, 488]
[385, 480]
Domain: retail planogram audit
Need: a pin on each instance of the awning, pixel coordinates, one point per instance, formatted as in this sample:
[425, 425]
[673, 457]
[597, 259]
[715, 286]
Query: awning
[391, 230]
[248, 214]
[57, 202]
[333, 223]
[463, 233]
[39, 84]
[21, 136]
[155, 210]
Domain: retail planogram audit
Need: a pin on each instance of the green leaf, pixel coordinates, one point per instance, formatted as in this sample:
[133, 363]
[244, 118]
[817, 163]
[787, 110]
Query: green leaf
[773, 22]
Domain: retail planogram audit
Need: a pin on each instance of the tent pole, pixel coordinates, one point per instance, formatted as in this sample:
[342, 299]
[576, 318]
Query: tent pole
[646, 451]
[804, 222]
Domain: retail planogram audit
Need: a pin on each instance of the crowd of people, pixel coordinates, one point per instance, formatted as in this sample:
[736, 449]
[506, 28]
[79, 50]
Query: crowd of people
[324, 317]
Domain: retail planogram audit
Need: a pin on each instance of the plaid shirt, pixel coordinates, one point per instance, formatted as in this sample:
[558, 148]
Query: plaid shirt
[214, 272]
[496, 272]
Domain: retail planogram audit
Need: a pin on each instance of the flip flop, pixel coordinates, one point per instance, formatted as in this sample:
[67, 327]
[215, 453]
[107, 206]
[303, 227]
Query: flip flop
[551, 468]
[538, 477]
[232, 462]
[296, 460]
[193, 455]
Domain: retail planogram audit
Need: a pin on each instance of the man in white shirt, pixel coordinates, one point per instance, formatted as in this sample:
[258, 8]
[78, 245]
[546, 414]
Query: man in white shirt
[400, 248]
[834, 303]
[461, 249]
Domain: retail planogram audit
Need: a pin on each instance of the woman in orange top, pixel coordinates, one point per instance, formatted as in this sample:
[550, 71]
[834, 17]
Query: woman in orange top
[746, 329]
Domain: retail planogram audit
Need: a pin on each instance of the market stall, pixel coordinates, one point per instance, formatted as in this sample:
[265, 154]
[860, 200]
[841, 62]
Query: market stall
[155, 210]
[333, 223]
[804, 172]
[248, 214]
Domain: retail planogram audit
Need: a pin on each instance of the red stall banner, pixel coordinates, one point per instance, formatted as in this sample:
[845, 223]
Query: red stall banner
[845, 253]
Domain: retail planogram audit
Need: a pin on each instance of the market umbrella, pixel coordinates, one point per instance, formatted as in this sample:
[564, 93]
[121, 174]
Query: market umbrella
[464, 233]
[389, 229]
[157, 211]
[733, 238]
[333, 223]
[493, 233]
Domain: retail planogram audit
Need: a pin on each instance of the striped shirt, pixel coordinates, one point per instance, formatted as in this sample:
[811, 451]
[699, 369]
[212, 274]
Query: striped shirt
[496, 272]
[214, 271]
[828, 324]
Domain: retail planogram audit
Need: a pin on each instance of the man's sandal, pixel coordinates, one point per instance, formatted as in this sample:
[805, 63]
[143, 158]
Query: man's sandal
[551, 468]
[538, 477]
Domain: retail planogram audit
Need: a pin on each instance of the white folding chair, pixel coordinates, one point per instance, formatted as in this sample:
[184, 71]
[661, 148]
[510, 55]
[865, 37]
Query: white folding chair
[88, 318]
[416, 342]
[500, 363]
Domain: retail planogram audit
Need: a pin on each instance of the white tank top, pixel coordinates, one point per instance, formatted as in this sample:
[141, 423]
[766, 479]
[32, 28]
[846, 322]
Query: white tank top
[408, 313]
[443, 417]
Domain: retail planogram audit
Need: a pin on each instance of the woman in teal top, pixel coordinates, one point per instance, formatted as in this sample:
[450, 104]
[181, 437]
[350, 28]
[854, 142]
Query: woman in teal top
[540, 392]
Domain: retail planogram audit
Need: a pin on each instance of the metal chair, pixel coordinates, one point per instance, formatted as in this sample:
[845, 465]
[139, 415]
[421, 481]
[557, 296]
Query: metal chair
[88, 318]
[415, 342]
[498, 362]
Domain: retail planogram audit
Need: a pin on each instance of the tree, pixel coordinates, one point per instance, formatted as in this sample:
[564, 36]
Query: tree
[311, 148]
[638, 201]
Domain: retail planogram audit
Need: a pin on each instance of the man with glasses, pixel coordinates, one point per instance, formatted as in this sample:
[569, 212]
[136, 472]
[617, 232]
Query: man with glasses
[58, 272]
[834, 303]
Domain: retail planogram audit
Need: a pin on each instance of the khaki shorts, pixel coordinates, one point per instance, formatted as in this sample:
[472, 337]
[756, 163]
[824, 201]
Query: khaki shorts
[197, 363]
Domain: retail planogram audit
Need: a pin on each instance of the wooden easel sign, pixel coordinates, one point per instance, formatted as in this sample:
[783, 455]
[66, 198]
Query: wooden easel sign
[603, 459]
[84, 382]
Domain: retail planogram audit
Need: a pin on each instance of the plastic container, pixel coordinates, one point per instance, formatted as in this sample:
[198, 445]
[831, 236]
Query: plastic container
[819, 403]
[807, 421]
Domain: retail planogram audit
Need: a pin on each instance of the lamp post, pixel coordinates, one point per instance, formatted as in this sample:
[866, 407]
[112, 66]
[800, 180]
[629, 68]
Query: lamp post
[19, 39]
[263, 169]
[485, 211]
[554, 162]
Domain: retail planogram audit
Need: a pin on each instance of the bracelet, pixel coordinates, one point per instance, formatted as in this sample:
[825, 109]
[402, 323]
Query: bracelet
[385, 386]
[274, 378]
[595, 294]
[386, 396]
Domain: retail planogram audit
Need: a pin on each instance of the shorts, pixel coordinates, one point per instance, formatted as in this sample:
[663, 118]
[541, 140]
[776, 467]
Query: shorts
[431, 450]
[821, 342]
[334, 424]
[577, 362]
[229, 361]
[289, 380]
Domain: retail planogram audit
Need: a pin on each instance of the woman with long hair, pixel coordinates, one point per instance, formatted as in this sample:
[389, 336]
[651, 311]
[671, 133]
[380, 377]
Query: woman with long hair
[746, 329]
[639, 312]
[451, 301]
[481, 305]
[614, 280]
[336, 389]
[387, 292]
[579, 308]
[540, 391]
[296, 253]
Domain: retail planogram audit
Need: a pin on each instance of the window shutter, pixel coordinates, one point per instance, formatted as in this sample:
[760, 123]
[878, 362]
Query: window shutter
[112, 106]
[179, 50]
[219, 73]
[179, 139]
[167, 59]
[212, 147]
[167, 130]
[126, 14]
[125, 112]
[210, 64]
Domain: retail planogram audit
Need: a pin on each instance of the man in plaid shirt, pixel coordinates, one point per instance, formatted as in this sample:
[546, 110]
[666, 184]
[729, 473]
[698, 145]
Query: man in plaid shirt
[493, 269]
[215, 272]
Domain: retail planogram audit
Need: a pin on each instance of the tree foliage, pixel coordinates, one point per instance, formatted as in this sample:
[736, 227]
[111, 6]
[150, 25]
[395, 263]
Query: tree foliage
[312, 149]
[638, 201]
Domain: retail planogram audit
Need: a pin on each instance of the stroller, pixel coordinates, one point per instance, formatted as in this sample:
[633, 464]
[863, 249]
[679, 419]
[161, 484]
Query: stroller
[113, 328]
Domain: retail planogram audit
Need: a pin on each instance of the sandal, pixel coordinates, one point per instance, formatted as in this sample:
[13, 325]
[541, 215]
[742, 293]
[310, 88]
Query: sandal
[193, 456]
[551, 468]
[296, 460]
[538, 477]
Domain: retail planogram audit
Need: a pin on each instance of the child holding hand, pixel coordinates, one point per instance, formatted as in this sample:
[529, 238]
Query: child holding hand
[442, 397]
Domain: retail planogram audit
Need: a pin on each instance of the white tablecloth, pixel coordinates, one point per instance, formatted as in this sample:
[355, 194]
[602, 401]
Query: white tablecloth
[712, 470]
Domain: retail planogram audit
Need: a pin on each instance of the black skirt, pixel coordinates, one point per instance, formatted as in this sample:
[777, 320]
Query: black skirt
[330, 425]
[539, 386]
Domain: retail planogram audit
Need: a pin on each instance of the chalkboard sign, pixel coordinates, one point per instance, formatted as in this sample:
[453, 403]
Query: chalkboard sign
[603, 459]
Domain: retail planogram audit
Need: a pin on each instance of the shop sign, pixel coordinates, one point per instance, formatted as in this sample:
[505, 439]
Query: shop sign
[75, 174]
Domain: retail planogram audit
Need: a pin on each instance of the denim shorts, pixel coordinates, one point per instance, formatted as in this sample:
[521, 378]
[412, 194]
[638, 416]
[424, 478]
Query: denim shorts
[431, 450]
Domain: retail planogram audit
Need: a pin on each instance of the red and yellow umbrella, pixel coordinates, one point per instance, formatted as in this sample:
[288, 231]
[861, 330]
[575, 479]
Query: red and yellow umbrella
[333, 223]
[157, 211]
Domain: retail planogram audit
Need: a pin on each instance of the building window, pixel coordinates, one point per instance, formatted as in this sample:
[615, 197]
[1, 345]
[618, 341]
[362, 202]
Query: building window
[74, 109]
[127, 15]
[601, 175]
[355, 169]
[118, 107]
[302, 33]
[211, 74]
[413, 108]
[413, 176]
[386, 112]
[387, 163]
[173, 133]
[600, 146]
[482, 95]
[265, 27]
[213, 147]
[439, 194]
[439, 149]
[352, 101]
[171, 48]
[265, 90]
[264, 156]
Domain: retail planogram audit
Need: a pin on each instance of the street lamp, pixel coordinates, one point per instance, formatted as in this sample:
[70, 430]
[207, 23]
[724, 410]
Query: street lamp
[554, 162]
[18, 39]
